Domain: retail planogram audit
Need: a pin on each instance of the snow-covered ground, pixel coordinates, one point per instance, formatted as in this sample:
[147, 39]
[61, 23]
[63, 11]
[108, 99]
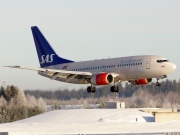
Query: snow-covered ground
[90, 121]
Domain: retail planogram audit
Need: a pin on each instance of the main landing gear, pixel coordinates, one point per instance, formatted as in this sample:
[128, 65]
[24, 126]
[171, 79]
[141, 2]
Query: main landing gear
[92, 89]
[114, 88]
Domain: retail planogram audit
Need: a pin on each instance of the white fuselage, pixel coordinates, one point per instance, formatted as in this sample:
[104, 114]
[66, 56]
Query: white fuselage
[129, 68]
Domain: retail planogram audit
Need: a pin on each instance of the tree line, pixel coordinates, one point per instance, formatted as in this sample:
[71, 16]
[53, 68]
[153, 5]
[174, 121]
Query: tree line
[104, 91]
[14, 105]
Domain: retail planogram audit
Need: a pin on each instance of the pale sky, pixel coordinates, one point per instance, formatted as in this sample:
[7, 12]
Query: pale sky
[86, 30]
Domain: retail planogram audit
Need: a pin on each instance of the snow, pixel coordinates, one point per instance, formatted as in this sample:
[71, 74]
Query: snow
[90, 121]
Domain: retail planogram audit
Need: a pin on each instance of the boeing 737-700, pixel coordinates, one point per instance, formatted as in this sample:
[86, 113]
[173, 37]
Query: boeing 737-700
[138, 70]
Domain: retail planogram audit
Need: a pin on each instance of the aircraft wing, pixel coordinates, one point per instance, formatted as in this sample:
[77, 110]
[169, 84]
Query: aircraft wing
[51, 70]
[55, 73]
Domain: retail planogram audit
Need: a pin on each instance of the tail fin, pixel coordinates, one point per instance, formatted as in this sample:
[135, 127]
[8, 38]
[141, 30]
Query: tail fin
[47, 56]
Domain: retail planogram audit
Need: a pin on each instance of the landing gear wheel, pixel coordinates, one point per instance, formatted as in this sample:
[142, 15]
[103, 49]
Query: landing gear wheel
[114, 89]
[158, 84]
[91, 89]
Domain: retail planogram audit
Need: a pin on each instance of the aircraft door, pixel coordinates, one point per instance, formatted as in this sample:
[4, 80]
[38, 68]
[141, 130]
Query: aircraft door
[148, 64]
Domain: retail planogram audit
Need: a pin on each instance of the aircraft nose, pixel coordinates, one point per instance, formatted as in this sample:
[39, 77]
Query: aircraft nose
[173, 66]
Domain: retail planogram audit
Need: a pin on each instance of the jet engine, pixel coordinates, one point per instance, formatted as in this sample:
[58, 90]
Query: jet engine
[141, 81]
[102, 79]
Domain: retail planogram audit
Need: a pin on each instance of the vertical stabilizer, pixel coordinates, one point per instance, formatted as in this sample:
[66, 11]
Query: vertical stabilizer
[47, 56]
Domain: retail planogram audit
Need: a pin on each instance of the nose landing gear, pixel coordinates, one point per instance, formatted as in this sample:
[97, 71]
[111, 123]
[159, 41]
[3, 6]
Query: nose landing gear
[158, 83]
[161, 77]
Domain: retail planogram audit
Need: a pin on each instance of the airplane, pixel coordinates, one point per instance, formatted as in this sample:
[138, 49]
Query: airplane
[138, 70]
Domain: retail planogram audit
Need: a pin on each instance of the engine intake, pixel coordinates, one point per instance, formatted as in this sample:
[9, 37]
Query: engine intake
[141, 81]
[102, 79]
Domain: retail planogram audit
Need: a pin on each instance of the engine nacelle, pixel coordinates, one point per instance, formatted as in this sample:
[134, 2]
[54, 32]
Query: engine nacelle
[141, 81]
[102, 79]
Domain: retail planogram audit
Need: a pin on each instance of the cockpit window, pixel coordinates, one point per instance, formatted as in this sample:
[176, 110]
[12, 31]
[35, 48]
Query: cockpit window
[165, 60]
[161, 61]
